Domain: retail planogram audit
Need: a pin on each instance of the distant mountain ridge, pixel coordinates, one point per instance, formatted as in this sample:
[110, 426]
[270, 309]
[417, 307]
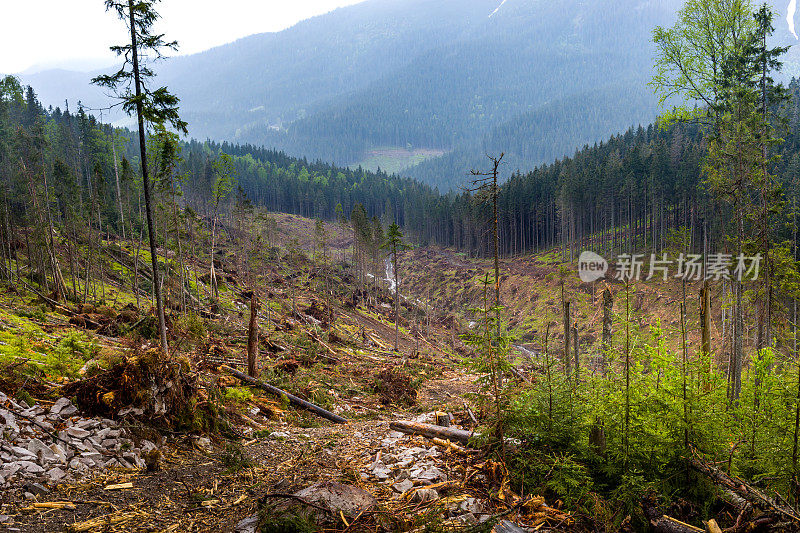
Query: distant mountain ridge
[536, 79]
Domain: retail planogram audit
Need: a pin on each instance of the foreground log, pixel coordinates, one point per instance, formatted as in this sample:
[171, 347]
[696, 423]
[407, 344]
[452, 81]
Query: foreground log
[744, 490]
[667, 524]
[661, 523]
[431, 431]
[292, 398]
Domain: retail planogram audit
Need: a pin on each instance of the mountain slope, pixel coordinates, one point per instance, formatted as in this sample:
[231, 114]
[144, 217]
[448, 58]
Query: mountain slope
[533, 78]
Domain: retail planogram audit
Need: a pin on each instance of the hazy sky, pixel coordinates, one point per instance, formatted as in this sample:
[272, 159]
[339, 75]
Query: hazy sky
[77, 33]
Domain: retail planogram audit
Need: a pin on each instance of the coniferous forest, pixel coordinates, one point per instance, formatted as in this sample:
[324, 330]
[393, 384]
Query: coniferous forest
[205, 335]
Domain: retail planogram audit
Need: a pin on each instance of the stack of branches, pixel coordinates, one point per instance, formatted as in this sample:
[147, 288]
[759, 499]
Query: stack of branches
[152, 386]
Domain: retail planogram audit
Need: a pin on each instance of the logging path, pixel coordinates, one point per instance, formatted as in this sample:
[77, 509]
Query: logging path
[199, 489]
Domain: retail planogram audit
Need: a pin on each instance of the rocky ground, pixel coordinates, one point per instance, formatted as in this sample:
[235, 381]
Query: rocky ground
[362, 475]
[46, 446]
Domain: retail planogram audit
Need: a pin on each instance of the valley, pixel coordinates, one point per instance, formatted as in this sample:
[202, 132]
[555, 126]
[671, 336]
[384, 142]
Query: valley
[422, 266]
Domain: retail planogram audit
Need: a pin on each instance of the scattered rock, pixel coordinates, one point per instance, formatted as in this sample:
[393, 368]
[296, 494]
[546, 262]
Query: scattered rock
[34, 456]
[63, 407]
[56, 474]
[247, 525]
[36, 489]
[403, 486]
[77, 432]
[348, 499]
[425, 495]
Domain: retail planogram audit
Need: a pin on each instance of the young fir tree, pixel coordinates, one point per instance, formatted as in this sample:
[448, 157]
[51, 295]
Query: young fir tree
[394, 243]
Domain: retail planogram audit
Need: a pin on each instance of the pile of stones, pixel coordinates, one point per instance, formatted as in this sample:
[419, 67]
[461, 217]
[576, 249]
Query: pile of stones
[41, 447]
[404, 466]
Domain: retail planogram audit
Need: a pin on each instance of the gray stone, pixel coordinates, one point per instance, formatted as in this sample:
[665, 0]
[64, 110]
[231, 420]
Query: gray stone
[33, 412]
[24, 453]
[247, 525]
[78, 433]
[36, 489]
[148, 446]
[56, 474]
[41, 451]
[87, 424]
[9, 469]
[94, 456]
[430, 473]
[42, 422]
[63, 407]
[337, 497]
[30, 467]
[380, 471]
[403, 486]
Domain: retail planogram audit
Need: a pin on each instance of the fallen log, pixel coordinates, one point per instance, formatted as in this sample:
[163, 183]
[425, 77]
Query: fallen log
[667, 524]
[742, 489]
[661, 523]
[431, 431]
[292, 398]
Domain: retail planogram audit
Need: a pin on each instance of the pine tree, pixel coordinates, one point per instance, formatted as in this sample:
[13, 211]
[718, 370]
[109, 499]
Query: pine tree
[152, 107]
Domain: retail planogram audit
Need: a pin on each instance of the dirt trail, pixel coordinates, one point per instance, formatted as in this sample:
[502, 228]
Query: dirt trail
[212, 490]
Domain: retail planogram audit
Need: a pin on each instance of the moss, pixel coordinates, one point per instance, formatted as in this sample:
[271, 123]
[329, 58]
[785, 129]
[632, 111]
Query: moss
[237, 395]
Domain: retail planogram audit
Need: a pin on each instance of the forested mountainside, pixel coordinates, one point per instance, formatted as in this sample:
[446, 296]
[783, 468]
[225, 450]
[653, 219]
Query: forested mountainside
[535, 79]
[647, 179]
[414, 74]
[90, 167]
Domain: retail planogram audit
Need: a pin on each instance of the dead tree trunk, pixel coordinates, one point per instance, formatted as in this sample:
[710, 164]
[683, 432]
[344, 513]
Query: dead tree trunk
[567, 345]
[705, 318]
[252, 336]
[576, 350]
[292, 399]
[608, 317]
